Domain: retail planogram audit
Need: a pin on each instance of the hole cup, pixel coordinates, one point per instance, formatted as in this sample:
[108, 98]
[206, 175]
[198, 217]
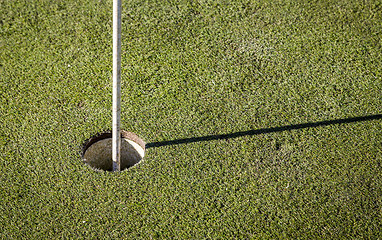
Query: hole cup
[97, 151]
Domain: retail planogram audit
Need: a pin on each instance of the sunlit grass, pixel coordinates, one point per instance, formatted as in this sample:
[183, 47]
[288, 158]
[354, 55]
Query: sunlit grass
[192, 69]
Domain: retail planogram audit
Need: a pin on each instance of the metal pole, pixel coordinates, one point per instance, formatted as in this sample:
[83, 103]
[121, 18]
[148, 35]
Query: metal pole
[116, 133]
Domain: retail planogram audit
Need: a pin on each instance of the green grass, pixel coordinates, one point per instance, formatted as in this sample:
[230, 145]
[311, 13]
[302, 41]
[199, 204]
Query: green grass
[192, 69]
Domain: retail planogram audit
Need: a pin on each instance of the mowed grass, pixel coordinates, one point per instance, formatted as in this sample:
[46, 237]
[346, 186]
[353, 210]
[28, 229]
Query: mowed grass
[192, 69]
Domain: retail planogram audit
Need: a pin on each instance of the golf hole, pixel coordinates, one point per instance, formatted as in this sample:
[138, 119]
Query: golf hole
[97, 151]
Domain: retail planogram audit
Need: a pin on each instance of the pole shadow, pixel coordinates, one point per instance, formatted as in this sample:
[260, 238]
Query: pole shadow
[264, 130]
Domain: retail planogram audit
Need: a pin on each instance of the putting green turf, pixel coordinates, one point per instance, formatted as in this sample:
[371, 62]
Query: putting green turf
[192, 69]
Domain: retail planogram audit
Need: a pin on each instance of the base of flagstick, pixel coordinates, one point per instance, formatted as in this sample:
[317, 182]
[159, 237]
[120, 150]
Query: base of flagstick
[97, 151]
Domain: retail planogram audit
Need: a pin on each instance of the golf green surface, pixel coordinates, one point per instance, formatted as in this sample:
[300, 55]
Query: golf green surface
[263, 119]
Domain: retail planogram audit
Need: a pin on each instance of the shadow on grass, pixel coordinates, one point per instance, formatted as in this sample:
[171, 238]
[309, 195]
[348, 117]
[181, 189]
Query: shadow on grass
[264, 130]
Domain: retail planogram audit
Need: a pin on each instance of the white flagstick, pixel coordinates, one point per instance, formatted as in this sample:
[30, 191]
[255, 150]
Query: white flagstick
[116, 134]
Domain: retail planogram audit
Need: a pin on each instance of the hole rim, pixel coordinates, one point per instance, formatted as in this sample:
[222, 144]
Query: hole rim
[106, 135]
